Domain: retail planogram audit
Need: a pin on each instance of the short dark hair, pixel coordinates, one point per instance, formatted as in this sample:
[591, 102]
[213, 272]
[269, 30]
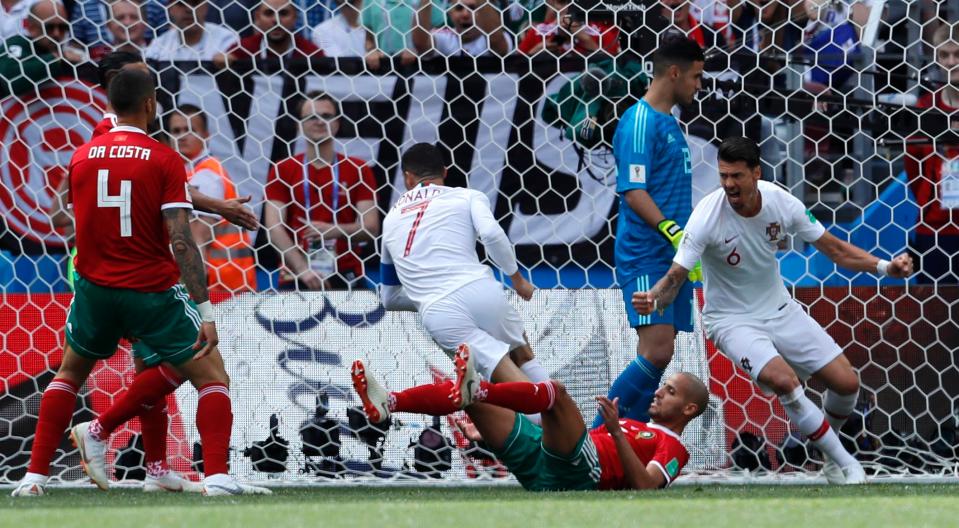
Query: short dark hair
[678, 50]
[128, 89]
[316, 95]
[735, 149]
[187, 110]
[112, 63]
[424, 160]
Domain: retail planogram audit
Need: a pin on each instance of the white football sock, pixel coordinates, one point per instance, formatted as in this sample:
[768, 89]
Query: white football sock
[838, 407]
[536, 373]
[811, 422]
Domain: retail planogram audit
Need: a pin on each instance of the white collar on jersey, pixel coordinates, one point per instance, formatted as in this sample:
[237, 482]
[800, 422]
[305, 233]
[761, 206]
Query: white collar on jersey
[125, 128]
[670, 432]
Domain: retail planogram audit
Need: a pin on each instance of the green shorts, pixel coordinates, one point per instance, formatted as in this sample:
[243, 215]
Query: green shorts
[165, 323]
[539, 469]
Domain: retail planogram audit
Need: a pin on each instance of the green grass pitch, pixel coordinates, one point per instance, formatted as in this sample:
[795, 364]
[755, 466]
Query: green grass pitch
[707, 506]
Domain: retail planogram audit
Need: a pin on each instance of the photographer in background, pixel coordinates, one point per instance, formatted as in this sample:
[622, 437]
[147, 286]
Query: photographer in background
[564, 29]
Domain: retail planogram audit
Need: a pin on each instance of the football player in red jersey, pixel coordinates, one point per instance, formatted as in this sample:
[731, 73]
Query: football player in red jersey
[132, 206]
[561, 454]
[154, 420]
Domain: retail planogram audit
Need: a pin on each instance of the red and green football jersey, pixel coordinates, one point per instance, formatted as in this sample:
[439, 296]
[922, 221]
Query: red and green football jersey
[650, 442]
[120, 182]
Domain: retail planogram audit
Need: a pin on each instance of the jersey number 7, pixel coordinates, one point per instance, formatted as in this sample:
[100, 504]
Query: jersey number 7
[122, 201]
[420, 209]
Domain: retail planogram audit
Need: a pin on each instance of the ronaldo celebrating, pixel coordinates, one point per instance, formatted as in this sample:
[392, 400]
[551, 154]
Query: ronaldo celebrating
[749, 315]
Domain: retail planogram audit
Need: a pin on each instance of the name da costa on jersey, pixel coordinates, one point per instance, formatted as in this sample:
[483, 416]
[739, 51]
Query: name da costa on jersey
[120, 152]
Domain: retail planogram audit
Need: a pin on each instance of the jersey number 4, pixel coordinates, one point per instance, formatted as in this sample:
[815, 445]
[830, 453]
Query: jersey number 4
[420, 209]
[122, 201]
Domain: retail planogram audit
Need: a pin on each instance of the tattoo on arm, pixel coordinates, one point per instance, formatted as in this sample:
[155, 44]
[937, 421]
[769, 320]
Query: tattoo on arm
[667, 288]
[187, 254]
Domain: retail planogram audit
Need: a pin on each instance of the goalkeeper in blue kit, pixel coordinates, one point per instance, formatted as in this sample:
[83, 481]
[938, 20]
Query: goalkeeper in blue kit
[654, 182]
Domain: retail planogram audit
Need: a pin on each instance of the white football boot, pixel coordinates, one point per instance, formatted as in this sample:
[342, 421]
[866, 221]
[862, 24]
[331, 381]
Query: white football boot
[374, 397]
[170, 481]
[92, 454]
[221, 485]
[467, 384]
[31, 485]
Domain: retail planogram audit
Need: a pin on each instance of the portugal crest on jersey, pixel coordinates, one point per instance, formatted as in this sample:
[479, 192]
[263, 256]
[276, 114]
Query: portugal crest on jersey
[773, 231]
[646, 435]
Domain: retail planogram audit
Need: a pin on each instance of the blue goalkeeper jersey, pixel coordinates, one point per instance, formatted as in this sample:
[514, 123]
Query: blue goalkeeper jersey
[651, 154]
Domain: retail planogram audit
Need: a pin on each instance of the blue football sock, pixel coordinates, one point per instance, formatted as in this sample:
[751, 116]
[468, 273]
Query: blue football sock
[635, 388]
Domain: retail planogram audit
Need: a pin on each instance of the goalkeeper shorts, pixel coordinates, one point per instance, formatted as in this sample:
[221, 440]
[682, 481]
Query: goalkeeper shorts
[679, 314]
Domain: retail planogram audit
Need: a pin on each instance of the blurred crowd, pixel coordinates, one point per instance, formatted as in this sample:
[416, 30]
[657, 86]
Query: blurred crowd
[320, 209]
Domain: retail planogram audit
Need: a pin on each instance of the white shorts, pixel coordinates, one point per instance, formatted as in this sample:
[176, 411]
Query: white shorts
[479, 315]
[793, 335]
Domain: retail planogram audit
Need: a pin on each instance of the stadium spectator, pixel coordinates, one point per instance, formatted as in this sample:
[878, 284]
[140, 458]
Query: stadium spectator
[12, 13]
[191, 37]
[831, 40]
[127, 29]
[275, 34]
[342, 35]
[89, 20]
[314, 12]
[560, 31]
[679, 13]
[390, 23]
[26, 61]
[477, 29]
[320, 206]
[933, 171]
[226, 248]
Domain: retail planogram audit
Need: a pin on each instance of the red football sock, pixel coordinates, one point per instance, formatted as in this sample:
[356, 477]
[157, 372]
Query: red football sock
[432, 399]
[56, 409]
[520, 396]
[148, 388]
[153, 423]
[214, 420]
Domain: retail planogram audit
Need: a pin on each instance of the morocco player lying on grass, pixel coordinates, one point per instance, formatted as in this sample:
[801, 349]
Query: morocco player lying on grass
[561, 454]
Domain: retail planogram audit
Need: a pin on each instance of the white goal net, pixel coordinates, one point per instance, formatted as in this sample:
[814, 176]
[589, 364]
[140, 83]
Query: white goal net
[854, 103]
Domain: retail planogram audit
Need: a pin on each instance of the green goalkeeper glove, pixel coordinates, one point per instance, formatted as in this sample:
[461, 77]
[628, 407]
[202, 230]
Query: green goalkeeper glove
[696, 274]
[671, 230]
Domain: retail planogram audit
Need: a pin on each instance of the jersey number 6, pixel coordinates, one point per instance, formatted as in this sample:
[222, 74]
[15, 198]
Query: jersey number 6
[733, 258]
[420, 209]
[121, 201]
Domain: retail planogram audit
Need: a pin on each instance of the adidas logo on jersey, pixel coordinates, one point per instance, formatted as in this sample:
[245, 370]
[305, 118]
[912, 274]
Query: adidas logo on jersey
[671, 139]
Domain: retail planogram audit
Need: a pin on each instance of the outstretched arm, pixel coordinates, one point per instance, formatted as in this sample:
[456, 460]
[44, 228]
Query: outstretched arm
[638, 476]
[232, 210]
[663, 293]
[853, 258]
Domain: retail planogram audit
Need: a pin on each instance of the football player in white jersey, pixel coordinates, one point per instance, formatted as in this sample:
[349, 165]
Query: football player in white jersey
[735, 232]
[429, 264]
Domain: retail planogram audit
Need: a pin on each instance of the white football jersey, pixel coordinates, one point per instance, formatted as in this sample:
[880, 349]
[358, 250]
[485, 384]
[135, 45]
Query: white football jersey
[430, 235]
[740, 270]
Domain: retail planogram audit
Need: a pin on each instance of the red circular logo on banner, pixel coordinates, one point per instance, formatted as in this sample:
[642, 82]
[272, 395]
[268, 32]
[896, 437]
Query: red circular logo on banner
[37, 139]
